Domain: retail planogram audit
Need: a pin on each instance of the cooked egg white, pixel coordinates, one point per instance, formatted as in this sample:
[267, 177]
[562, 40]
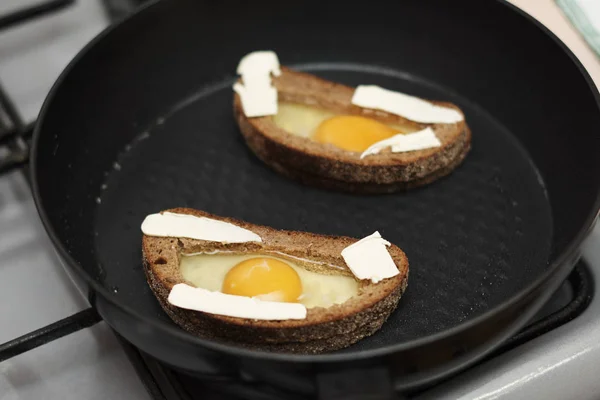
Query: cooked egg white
[211, 271]
[349, 132]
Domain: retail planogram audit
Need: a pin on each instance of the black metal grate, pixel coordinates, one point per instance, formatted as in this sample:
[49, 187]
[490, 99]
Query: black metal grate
[30, 13]
[14, 133]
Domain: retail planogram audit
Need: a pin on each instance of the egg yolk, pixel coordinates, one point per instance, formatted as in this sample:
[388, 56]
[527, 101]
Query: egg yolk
[351, 132]
[266, 278]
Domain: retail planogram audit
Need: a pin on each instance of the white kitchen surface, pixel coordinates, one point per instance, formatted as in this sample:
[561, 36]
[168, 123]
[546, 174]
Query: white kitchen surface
[90, 364]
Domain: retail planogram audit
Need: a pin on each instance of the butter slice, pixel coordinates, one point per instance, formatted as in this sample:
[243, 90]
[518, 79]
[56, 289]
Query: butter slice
[400, 143]
[409, 107]
[369, 259]
[169, 224]
[258, 96]
[198, 299]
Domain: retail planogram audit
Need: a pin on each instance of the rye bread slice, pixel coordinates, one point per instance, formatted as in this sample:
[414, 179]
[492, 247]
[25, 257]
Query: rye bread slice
[326, 165]
[324, 329]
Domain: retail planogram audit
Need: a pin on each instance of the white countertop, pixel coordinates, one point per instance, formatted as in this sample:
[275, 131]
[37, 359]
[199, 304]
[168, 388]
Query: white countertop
[89, 364]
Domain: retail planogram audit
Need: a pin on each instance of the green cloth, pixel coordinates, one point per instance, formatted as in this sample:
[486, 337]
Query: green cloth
[585, 16]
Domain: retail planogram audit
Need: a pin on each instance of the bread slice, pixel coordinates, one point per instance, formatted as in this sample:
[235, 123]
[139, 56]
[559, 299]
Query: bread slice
[327, 166]
[324, 329]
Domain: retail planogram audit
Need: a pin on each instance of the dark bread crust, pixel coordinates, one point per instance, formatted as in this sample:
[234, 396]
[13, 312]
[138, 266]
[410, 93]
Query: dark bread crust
[306, 160]
[374, 188]
[324, 329]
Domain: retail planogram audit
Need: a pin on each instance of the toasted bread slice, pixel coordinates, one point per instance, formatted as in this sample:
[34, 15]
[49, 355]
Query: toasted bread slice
[325, 165]
[323, 329]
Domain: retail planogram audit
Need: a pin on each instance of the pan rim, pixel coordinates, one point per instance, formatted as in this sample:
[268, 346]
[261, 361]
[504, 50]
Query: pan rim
[563, 259]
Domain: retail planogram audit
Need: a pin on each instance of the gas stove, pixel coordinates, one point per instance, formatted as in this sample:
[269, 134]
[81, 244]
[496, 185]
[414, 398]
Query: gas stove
[553, 357]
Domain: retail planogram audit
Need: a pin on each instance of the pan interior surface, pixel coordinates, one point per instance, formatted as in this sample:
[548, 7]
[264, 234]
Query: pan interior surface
[127, 133]
[473, 239]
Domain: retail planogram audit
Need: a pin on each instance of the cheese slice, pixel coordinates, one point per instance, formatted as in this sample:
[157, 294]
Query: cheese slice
[258, 96]
[409, 107]
[401, 142]
[198, 299]
[169, 224]
[258, 101]
[369, 259]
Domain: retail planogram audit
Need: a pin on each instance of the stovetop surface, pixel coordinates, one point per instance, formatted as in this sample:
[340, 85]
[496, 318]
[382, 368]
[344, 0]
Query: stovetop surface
[91, 364]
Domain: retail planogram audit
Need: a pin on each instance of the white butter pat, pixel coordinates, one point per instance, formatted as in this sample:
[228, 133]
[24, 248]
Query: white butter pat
[369, 259]
[193, 298]
[409, 107]
[169, 224]
[401, 143]
[258, 96]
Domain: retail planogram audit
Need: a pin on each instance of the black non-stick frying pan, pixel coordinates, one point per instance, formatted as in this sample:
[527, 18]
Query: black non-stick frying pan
[142, 121]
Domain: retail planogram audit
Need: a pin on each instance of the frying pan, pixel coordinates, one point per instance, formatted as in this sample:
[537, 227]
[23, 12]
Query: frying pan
[142, 121]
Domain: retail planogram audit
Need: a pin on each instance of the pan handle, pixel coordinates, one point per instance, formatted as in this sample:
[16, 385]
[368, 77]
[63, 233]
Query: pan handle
[367, 383]
[49, 333]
